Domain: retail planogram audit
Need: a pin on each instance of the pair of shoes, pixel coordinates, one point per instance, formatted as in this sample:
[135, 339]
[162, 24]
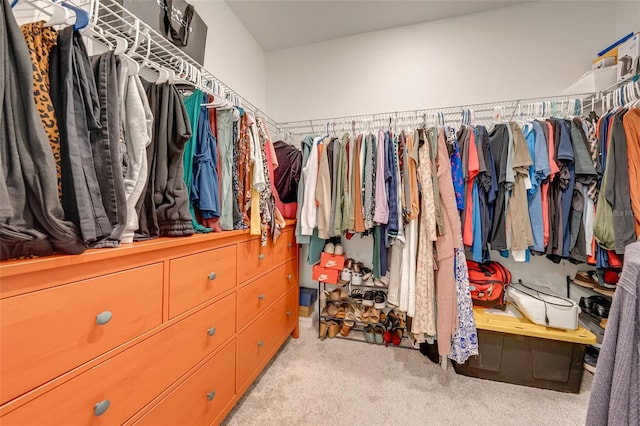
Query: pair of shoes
[333, 249]
[393, 336]
[591, 359]
[356, 273]
[371, 315]
[374, 334]
[597, 306]
[377, 299]
[346, 274]
[338, 294]
[347, 325]
[329, 328]
[357, 295]
[585, 279]
[381, 282]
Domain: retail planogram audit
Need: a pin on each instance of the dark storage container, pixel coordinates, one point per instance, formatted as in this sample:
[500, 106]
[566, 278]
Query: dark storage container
[514, 350]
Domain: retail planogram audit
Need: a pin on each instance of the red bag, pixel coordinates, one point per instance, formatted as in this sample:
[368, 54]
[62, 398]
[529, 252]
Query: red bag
[488, 284]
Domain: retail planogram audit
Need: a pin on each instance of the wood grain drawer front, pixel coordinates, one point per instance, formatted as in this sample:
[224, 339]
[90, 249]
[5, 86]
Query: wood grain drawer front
[253, 259]
[291, 309]
[258, 341]
[285, 248]
[202, 397]
[200, 277]
[113, 391]
[47, 333]
[255, 298]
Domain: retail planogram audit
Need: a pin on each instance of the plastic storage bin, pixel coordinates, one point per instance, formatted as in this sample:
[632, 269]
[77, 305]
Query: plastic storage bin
[514, 350]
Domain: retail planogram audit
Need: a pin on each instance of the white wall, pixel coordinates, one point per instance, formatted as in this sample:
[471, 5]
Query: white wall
[528, 50]
[232, 54]
[627, 18]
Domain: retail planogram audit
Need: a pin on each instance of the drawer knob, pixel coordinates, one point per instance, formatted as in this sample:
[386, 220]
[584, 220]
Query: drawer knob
[289, 276]
[261, 256]
[211, 395]
[101, 407]
[103, 317]
[288, 313]
[260, 343]
[261, 296]
[212, 276]
[289, 245]
[211, 331]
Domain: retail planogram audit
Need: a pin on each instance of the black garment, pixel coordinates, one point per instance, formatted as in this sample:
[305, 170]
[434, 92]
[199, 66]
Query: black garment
[31, 217]
[556, 227]
[108, 147]
[75, 99]
[287, 175]
[485, 192]
[164, 207]
[617, 189]
[499, 139]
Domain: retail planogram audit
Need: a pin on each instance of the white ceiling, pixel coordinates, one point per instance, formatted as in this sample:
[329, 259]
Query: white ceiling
[278, 24]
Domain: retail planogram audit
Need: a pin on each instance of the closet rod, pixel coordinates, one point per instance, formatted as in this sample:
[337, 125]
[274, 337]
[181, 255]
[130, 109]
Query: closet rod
[478, 109]
[117, 20]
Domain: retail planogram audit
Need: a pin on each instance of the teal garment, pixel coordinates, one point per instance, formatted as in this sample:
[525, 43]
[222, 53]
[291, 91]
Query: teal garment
[192, 106]
[377, 236]
[316, 245]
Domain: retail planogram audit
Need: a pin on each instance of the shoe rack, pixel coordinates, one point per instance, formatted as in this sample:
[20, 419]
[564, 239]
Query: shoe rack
[357, 332]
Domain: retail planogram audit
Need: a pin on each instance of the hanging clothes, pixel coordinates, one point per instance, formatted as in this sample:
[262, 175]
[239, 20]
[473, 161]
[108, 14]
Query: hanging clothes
[225, 144]
[32, 219]
[205, 183]
[75, 99]
[137, 137]
[164, 208]
[465, 340]
[108, 151]
[40, 40]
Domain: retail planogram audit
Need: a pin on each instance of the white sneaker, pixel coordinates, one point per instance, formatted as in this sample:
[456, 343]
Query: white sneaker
[356, 278]
[339, 250]
[345, 275]
[329, 248]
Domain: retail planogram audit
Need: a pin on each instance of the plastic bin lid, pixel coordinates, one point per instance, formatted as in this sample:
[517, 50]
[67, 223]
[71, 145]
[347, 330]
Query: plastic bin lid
[512, 322]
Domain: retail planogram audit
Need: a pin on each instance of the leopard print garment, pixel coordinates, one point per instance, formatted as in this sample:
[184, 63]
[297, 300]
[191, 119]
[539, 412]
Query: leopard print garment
[40, 40]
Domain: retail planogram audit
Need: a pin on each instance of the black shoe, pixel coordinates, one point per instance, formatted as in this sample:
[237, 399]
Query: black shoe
[357, 296]
[591, 358]
[380, 300]
[368, 298]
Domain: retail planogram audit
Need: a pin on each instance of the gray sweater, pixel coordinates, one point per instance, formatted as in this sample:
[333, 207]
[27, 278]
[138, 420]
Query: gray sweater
[615, 396]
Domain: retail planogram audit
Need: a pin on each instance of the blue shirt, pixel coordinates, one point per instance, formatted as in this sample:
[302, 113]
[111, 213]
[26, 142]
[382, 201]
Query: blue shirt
[205, 192]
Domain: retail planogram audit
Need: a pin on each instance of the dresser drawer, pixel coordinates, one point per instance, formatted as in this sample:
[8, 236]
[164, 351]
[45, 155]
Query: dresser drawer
[258, 342]
[253, 259]
[202, 397]
[285, 247]
[47, 333]
[291, 309]
[256, 297]
[131, 379]
[200, 277]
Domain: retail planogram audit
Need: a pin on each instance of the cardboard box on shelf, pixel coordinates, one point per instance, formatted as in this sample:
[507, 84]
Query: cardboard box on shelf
[332, 261]
[307, 311]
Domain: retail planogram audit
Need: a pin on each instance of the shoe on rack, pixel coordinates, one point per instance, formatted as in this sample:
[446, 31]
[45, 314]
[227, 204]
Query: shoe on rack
[335, 295]
[368, 334]
[397, 337]
[366, 273]
[585, 279]
[346, 327]
[379, 334]
[380, 300]
[357, 295]
[379, 283]
[368, 299]
[324, 326]
[374, 316]
[387, 337]
[345, 276]
[334, 328]
[342, 312]
[332, 310]
[357, 310]
[338, 249]
[369, 282]
[329, 248]
[591, 359]
[356, 274]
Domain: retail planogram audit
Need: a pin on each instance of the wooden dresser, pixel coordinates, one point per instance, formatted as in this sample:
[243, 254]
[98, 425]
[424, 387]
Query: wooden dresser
[164, 332]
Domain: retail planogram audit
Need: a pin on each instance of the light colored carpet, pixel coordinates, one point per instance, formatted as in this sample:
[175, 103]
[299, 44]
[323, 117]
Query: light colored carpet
[339, 382]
